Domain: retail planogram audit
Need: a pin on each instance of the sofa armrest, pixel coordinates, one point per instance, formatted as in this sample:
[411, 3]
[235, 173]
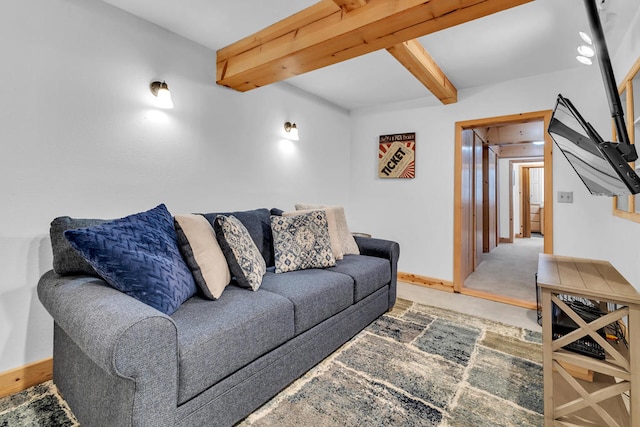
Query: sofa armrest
[126, 338]
[380, 248]
[383, 249]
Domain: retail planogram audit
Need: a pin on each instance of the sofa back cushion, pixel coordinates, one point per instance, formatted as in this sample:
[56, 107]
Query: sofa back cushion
[258, 224]
[67, 260]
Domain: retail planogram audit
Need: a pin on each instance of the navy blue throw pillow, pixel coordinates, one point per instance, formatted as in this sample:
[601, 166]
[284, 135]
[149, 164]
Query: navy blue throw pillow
[138, 255]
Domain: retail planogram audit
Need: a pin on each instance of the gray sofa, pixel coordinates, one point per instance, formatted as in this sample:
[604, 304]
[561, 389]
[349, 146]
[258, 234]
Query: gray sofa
[119, 362]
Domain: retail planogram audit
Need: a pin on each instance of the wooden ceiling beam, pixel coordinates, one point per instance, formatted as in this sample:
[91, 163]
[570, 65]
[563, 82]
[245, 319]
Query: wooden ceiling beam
[324, 34]
[350, 5]
[415, 58]
[281, 30]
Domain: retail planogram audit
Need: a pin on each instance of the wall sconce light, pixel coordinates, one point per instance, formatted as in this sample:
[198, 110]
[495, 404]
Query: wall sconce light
[161, 91]
[292, 131]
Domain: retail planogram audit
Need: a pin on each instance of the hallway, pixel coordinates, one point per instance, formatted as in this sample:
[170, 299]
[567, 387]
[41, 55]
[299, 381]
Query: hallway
[509, 270]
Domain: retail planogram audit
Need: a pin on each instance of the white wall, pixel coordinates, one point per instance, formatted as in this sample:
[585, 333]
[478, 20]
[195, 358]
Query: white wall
[625, 55]
[419, 213]
[79, 137]
[505, 188]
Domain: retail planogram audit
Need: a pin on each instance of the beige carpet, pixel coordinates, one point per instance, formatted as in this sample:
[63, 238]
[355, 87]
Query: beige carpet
[509, 270]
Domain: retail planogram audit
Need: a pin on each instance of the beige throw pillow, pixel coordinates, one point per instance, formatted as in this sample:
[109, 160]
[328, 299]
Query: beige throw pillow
[347, 242]
[202, 253]
[334, 235]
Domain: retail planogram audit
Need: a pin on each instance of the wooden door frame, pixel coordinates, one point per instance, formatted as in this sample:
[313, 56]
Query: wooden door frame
[489, 232]
[478, 197]
[545, 117]
[525, 203]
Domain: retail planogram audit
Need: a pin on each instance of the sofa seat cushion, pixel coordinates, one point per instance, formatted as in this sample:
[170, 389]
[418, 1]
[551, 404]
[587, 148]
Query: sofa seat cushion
[216, 338]
[369, 273]
[316, 294]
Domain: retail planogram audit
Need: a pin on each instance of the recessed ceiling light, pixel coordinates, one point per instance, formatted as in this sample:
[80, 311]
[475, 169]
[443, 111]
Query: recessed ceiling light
[538, 142]
[584, 36]
[584, 60]
[586, 51]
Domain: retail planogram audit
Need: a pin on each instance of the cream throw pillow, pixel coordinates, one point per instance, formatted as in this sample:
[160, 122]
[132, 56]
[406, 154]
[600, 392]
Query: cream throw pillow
[347, 242]
[203, 255]
[334, 236]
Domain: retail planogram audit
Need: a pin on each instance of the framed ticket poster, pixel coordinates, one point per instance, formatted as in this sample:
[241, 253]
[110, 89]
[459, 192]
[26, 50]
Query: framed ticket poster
[396, 156]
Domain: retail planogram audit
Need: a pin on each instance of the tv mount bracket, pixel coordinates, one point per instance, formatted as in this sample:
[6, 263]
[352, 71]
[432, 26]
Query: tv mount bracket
[624, 146]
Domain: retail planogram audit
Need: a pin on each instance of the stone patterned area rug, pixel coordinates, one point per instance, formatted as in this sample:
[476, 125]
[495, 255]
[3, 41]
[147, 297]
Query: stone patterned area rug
[419, 366]
[415, 366]
[40, 406]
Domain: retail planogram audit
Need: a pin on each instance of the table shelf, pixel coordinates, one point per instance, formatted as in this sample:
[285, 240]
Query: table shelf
[587, 416]
[613, 396]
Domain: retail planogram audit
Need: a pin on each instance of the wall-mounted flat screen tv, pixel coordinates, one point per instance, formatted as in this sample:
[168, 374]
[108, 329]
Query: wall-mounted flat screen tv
[598, 163]
[602, 166]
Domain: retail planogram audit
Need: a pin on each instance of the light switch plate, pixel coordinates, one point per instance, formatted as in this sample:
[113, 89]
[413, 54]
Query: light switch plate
[565, 196]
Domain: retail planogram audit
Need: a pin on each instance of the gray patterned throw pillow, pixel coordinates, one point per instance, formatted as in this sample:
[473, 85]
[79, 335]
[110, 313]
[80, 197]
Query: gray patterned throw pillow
[302, 242]
[245, 261]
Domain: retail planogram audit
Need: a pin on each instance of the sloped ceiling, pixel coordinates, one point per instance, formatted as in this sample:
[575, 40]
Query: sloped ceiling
[534, 38]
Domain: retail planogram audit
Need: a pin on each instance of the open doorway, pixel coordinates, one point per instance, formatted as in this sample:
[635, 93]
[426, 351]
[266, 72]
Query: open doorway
[528, 192]
[508, 269]
[493, 157]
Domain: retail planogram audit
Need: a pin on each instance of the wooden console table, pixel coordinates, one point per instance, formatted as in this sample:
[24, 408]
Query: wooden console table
[613, 398]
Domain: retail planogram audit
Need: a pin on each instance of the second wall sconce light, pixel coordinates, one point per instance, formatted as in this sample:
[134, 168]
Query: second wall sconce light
[292, 131]
[161, 91]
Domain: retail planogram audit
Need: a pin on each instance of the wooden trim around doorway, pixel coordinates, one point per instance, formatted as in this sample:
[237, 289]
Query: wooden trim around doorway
[499, 298]
[545, 117]
[427, 282]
